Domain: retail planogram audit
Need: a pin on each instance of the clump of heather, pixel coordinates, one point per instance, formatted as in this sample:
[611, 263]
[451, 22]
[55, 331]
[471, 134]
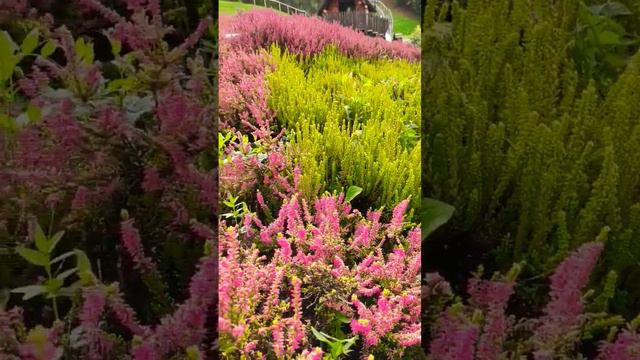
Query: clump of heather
[307, 36]
[117, 150]
[261, 172]
[482, 329]
[323, 262]
[243, 90]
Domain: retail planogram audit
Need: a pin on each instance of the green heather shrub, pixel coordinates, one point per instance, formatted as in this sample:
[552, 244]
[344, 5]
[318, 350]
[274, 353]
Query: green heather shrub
[536, 154]
[354, 123]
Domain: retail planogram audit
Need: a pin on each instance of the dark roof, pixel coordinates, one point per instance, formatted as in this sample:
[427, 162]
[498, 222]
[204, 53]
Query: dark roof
[326, 3]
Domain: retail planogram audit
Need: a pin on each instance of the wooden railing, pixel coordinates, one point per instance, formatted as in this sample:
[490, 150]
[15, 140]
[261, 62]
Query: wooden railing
[379, 23]
[384, 11]
[369, 23]
[277, 5]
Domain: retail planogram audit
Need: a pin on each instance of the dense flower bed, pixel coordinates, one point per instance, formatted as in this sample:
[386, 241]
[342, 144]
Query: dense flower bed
[319, 252]
[108, 186]
[308, 36]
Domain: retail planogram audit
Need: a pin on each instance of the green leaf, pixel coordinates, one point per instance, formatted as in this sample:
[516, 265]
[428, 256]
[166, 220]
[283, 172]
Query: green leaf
[121, 84]
[48, 48]
[69, 290]
[55, 239]
[34, 113]
[434, 214]
[42, 243]
[609, 38]
[29, 291]
[84, 50]
[342, 318]
[319, 335]
[6, 121]
[611, 9]
[5, 295]
[7, 46]
[30, 42]
[82, 263]
[336, 349]
[33, 256]
[65, 274]
[348, 343]
[62, 257]
[116, 47]
[53, 285]
[82, 260]
[8, 59]
[352, 192]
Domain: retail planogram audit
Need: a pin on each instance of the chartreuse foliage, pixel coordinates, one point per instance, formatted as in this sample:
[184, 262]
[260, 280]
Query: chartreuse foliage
[354, 122]
[536, 152]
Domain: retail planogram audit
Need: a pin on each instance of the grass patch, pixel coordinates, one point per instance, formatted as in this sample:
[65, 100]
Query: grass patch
[403, 24]
[233, 7]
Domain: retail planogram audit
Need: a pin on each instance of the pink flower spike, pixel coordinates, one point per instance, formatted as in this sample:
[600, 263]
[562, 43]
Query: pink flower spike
[398, 215]
[285, 249]
[361, 327]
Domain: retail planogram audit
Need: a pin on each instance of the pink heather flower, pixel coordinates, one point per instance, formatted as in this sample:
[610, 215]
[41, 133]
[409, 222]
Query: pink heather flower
[81, 198]
[237, 331]
[244, 294]
[362, 236]
[103, 10]
[492, 298]
[307, 36]
[248, 349]
[339, 268]
[274, 293]
[296, 299]
[186, 326]
[327, 217]
[92, 307]
[278, 339]
[562, 313]
[361, 327]
[151, 180]
[133, 245]
[285, 249]
[202, 230]
[410, 336]
[369, 292]
[45, 350]
[125, 315]
[454, 339]
[415, 239]
[296, 329]
[297, 173]
[626, 347]
[315, 354]
[398, 215]
[144, 352]
[193, 39]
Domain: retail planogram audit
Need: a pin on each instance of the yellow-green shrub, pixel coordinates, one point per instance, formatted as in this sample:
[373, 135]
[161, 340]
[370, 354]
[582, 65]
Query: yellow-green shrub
[354, 122]
[536, 157]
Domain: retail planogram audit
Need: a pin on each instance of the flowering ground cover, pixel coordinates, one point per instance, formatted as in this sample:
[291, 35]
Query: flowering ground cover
[107, 185]
[318, 149]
